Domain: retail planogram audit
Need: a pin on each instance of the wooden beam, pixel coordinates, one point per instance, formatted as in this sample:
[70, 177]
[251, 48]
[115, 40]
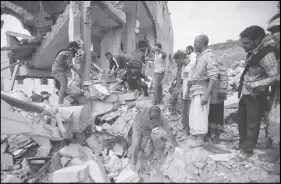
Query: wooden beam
[14, 76]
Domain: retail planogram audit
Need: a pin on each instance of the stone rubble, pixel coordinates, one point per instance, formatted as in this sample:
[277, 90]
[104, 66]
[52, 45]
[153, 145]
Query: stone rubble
[103, 152]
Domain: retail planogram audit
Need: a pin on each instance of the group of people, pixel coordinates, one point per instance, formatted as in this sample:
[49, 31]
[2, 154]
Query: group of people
[201, 84]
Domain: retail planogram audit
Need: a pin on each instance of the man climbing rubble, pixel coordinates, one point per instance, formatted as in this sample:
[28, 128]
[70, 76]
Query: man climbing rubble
[148, 117]
[203, 77]
[117, 63]
[62, 65]
[260, 72]
[133, 78]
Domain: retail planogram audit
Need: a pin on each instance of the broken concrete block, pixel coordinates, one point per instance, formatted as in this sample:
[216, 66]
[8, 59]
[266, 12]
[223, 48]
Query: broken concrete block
[127, 96]
[113, 164]
[107, 78]
[111, 98]
[127, 176]
[71, 174]
[97, 171]
[118, 149]
[3, 147]
[71, 151]
[85, 154]
[221, 157]
[7, 160]
[76, 161]
[98, 91]
[18, 141]
[55, 163]
[11, 179]
[94, 144]
[64, 161]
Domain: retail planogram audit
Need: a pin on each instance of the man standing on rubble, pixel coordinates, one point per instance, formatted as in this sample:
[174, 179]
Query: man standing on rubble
[175, 89]
[188, 64]
[260, 71]
[159, 72]
[203, 78]
[117, 62]
[148, 118]
[274, 115]
[61, 66]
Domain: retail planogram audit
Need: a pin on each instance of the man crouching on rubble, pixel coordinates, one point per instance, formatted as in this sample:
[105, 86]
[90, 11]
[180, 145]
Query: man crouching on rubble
[148, 118]
[133, 78]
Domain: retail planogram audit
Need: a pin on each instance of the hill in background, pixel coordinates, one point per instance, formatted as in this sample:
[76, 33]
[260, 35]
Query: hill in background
[232, 51]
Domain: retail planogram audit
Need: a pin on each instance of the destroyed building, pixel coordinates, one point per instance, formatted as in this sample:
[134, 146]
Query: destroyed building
[110, 25]
[100, 123]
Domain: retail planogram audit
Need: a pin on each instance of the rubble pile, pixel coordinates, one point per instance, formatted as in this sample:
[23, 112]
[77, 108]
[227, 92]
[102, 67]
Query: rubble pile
[234, 74]
[101, 151]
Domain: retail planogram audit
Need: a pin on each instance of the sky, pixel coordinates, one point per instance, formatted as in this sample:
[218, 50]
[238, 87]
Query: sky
[220, 20]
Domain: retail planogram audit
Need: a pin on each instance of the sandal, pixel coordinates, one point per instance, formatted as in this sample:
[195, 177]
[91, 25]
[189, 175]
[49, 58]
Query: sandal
[273, 169]
[241, 157]
[237, 146]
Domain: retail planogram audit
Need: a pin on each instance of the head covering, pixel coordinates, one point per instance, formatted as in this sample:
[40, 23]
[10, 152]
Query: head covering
[275, 20]
[74, 44]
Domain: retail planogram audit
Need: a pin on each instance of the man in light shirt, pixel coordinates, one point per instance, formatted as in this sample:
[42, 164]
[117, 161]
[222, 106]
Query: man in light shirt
[159, 72]
[203, 77]
[189, 64]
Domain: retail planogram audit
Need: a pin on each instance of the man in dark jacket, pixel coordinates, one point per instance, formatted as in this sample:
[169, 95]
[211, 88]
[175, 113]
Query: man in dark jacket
[133, 78]
[117, 62]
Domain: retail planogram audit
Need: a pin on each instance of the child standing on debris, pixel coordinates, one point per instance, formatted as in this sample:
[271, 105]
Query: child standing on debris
[148, 118]
[61, 66]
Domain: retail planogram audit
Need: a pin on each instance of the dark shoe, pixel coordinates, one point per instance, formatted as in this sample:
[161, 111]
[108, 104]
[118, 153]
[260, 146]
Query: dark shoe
[265, 145]
[216, 139]
[275, 169]
[271, 156]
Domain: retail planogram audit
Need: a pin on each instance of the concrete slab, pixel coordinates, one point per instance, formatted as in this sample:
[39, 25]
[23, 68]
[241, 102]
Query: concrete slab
[127, 175]
[71, 174]
[7, 160]
[94, 144]
[70, 151]
[97, 173]
[127, 96]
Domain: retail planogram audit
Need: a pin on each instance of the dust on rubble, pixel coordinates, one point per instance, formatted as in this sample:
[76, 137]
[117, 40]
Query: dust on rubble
[102, 154]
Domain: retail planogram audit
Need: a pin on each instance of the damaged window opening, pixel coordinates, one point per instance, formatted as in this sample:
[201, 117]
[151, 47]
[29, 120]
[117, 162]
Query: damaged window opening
[20, 81]
[44, 81]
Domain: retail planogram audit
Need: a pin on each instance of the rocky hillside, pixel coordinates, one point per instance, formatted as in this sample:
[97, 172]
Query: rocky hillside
[231, 50]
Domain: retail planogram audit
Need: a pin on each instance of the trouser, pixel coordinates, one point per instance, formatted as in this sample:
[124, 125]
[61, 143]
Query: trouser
[137, 84]
[250, 113]
[158, 88]
[60, 84]
[185, 115]
[216, 118]
[198, 116]
[175, 100]
[139, 141]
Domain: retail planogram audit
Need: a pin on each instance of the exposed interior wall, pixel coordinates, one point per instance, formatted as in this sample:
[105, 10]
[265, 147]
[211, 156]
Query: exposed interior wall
[30, 85]
[164, 30]
[110, 43]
